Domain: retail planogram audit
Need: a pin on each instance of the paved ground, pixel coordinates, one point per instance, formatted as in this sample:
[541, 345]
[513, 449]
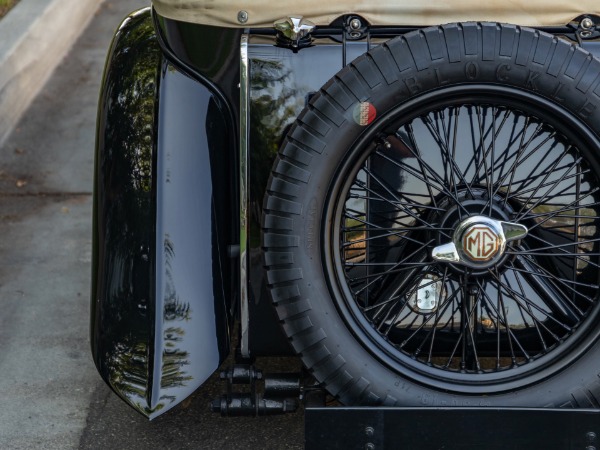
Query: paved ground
[36, 35]
[52, 396]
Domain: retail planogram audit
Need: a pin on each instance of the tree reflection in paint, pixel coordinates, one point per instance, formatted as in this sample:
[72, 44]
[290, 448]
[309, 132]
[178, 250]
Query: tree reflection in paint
[124, 243]
[174, 359]
[123, 310]
[274, 106]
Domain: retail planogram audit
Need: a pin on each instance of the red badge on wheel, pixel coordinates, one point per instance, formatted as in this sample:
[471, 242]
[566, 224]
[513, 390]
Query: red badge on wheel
[364, 113]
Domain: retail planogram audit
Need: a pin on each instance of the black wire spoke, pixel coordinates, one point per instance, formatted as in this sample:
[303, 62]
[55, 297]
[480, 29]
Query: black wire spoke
[439, 312]
[512, 338]
[531, 180]
[443, 129]
[439, 184]
[523, 300]
[407, 211]
[563, 252]
[552, 214]
[384, 215]
[396, 222]
[394, 202]
[532, 268]
[442, 308]
[393, 271]
[526, 313]
[553, 297]
[369, 308]
[445, 152]
[503, 319]
[547, 197]
[395, 319]
[400, 202]
[481, 147]
[522, 148]
[537, 323]
[489, 169]
[454, 350]
[501, 162]
[451, 159]
[533, 176]
[424, 172]
[557, 246]
[503, 157]
[396, 230]
[390, 231]
[414, 149]
[554, 277]
[406, 266]
[470, 352]
[520, 213]
[556, 195]
[377, 236]
[379, 324]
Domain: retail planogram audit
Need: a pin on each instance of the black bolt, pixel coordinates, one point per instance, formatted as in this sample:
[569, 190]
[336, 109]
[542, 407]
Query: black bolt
[369, 431]
[355, 24]
[587, 23]
[590, 436]
[371, 446]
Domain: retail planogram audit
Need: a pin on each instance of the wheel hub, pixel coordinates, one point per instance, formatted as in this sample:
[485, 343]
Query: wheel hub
[479, 242]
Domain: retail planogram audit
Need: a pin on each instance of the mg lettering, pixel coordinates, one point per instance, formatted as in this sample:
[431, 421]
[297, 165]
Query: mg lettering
[480, 243]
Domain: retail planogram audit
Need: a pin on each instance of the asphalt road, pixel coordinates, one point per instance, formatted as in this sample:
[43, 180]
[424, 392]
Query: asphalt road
[52, 397]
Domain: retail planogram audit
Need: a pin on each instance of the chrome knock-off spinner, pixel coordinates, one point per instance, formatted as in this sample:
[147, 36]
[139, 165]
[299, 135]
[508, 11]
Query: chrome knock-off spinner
[479, 242]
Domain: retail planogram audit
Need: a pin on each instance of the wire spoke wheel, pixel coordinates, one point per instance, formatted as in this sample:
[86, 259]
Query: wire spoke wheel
[445, 176]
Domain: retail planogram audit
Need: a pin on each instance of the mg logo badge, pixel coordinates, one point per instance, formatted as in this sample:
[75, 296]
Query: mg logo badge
[480, 243]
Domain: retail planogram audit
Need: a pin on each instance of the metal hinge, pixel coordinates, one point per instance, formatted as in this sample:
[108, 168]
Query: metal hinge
[586, 27]
[355, 28]
[294, 32]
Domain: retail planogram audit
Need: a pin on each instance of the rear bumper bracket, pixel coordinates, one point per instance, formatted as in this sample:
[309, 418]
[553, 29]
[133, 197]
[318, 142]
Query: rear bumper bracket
[451, 428]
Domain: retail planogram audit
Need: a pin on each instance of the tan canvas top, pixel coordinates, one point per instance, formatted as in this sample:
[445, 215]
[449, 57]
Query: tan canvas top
[262, 13]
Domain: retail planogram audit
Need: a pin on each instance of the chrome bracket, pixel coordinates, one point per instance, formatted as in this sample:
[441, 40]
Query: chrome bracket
[294, 32]
[586, 27]
[355, 28]
[244, 196]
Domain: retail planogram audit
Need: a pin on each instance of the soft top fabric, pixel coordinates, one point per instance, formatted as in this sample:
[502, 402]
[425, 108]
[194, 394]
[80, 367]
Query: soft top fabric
[262, 13]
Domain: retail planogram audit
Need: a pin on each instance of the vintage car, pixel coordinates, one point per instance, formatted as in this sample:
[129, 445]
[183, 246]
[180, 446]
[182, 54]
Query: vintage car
[406, 196]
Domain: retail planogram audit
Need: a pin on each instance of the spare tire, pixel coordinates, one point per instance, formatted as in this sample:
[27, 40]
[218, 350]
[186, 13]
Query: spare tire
[432, 222]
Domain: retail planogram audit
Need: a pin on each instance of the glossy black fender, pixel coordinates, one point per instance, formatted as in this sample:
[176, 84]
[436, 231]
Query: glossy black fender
[160, 306]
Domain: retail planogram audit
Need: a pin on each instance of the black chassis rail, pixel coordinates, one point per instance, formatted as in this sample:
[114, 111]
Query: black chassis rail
[451, 428]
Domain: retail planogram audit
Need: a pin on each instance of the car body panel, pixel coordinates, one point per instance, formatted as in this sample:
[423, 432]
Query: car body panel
[159, 309]
[280, 84]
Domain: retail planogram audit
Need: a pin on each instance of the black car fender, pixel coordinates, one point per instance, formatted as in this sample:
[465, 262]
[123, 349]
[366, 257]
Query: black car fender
[161, 300]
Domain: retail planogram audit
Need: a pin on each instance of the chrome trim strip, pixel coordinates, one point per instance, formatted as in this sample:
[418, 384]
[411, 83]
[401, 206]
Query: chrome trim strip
[244, 193]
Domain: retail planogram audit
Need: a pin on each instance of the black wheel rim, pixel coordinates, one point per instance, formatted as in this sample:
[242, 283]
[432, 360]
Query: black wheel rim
[403, 190]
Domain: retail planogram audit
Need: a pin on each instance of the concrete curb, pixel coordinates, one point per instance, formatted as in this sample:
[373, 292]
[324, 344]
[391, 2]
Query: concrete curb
[36, 35]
